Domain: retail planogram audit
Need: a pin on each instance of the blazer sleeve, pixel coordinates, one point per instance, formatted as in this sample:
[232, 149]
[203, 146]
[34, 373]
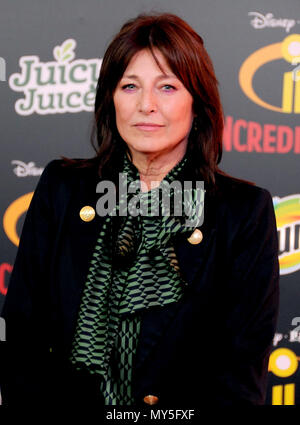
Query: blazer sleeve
[26, 350]
[252, 306]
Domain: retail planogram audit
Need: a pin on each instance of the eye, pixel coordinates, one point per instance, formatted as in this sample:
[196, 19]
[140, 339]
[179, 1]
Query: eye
[168, 87]
[128, 87]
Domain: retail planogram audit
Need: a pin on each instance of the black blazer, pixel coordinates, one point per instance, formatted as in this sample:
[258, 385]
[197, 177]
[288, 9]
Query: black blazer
[211, 348]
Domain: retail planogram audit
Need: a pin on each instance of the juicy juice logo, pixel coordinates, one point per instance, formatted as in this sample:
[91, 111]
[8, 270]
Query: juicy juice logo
[63, 85]
[287, 212]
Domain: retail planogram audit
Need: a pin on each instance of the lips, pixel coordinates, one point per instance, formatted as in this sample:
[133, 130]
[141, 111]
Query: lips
[148, 126]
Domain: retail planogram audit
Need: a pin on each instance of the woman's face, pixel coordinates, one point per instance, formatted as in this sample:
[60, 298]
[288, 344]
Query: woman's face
[153, 111]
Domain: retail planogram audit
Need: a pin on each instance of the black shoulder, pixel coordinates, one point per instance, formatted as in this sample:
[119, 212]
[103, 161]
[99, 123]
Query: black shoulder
[231, 187]
[57, 172]
[238, 201]
[59, 183]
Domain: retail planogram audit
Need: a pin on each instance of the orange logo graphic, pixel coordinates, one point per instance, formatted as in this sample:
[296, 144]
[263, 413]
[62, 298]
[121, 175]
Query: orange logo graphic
[289, 50]
[12, 215]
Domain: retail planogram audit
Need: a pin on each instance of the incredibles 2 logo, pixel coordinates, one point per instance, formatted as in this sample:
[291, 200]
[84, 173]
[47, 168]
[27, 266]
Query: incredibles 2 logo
[287, 210]
[288, 50]
[10, 220]
[12, 214]
[283, 363]
[5, 270]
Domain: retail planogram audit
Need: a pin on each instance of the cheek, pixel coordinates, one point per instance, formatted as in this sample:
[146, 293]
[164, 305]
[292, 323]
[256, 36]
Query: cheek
[123, 110]
[180, 113]
[180, 105]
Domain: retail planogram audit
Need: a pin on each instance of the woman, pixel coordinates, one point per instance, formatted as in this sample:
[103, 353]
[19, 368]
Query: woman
[106, 309]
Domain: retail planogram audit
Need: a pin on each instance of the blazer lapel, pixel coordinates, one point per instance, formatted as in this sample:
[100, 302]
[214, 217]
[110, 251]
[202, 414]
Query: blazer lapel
[192, 258]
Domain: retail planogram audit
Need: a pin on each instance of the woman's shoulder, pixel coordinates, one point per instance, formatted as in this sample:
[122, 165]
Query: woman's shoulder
[75, 167]
[61, 181]
[62, 173]
[242, 197]
[231, 186]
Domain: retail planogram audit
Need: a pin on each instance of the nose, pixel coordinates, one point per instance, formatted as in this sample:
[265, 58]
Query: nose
[147, 101]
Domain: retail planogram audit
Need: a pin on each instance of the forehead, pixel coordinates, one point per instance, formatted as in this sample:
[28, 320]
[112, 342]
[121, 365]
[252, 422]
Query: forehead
[143, 61]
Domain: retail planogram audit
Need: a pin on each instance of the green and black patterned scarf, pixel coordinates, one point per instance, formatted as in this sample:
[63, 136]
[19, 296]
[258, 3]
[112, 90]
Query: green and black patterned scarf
[131, 270]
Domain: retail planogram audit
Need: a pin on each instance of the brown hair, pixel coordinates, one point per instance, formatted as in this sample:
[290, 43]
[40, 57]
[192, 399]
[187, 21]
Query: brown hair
[187, 57]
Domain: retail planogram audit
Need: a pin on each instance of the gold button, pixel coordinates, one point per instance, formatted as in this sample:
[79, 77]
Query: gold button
[87, 213]
[196, 237]
[150, 399]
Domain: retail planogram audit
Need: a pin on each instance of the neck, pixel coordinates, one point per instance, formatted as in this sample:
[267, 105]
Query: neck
[153, 167]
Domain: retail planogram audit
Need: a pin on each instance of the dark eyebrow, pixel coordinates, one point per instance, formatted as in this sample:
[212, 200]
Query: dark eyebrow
[160, 77]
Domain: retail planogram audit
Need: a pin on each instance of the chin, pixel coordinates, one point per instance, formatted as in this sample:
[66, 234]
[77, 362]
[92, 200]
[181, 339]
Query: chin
[148, 147]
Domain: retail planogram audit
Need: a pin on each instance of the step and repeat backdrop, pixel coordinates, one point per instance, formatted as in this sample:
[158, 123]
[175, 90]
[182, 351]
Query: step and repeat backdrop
[50, 57]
